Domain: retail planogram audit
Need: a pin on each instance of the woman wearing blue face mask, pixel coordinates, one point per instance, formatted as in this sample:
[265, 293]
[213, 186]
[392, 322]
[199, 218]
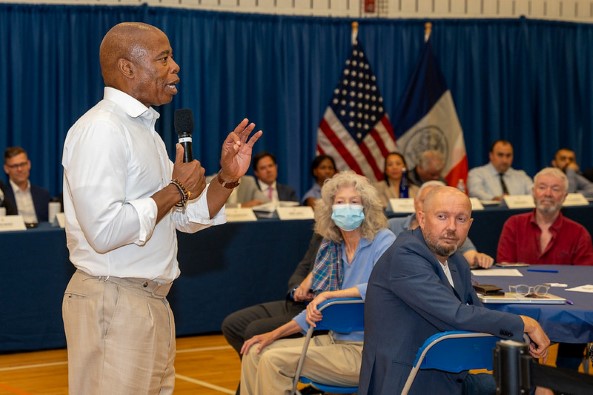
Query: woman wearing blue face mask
[350, 218]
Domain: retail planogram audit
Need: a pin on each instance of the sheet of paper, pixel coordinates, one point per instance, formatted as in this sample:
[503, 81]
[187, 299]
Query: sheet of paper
[582, 288]
[497, 273]
[269, 207]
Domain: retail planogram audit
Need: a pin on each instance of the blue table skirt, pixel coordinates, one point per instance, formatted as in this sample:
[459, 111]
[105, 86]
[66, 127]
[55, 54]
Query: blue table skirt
[223, 268]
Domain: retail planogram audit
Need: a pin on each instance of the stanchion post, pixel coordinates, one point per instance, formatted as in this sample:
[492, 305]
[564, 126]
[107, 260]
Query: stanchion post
[512, 368]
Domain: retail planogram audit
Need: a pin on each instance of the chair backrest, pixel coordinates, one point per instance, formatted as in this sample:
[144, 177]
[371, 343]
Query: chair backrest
[341, 315]
[454, 351]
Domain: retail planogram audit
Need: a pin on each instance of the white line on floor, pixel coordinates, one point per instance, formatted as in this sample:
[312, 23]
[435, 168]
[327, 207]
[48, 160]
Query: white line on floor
[38, 365]
[204, 384]
[214, 348]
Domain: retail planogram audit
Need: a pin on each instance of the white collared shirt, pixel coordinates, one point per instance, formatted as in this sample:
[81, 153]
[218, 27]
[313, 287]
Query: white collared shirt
[265, 189]
[445, 267]
[114, 161]
[24, 202]
[484, 182]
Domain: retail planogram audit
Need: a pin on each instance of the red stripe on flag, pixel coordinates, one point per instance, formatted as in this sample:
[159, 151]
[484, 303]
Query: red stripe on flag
[459, 171]
[339, 146]
[387, 125]
[380, 142]
[371, 160]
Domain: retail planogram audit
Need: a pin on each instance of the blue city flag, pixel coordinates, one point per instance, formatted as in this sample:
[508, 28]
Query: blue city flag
[426, 119]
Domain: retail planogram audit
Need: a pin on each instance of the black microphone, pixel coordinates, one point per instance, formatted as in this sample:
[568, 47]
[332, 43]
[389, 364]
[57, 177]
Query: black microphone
[184, 126]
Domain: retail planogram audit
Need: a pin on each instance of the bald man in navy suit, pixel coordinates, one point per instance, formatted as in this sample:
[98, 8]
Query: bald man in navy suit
[421, 286]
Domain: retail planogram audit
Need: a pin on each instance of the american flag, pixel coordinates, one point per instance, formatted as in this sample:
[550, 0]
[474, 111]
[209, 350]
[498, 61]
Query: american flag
[355, 130]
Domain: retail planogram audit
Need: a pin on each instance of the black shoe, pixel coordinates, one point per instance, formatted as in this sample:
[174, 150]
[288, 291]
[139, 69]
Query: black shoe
[310, 390]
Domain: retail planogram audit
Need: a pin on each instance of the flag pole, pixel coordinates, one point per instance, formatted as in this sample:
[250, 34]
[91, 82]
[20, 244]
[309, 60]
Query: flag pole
[427, 30]
[354, 33]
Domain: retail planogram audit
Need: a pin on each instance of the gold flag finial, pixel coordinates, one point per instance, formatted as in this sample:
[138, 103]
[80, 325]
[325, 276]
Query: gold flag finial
[354, 32]
[427, 30]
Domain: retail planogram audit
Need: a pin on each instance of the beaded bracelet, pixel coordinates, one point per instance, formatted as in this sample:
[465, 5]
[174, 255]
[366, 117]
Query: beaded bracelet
[185, 194]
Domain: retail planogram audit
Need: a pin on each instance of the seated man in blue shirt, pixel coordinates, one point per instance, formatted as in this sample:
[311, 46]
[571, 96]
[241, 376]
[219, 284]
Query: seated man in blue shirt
[565, 160]
[497, 178]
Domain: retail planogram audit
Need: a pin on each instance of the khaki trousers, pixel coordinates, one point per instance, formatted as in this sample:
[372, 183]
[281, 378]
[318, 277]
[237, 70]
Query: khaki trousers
[271, 372]
[121, 336]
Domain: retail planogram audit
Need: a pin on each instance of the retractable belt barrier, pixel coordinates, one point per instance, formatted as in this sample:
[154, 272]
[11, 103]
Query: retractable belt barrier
[516, 373]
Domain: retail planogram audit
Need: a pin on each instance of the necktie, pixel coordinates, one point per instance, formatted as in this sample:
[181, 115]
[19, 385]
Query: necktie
[271, 192]
[505, 190]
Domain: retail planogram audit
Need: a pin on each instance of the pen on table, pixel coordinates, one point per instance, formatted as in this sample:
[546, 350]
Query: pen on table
[543, 270]
[570, 302]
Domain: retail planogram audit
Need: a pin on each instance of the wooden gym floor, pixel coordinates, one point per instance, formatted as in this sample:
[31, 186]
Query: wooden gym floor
[204, 365]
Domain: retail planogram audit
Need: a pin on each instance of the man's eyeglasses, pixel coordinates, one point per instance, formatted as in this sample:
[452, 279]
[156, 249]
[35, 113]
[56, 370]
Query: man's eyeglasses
[17, 165]
[536, 291]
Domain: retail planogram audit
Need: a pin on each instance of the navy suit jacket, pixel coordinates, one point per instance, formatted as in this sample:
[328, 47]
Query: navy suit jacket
[408, 300]
[286, 193]
[40, 201]
[6, 203]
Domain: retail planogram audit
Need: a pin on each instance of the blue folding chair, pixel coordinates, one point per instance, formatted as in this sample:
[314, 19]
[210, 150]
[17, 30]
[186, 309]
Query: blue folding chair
[454, 352]
[342, 315]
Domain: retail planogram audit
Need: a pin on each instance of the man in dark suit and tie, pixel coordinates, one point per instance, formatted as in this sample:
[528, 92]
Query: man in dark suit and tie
[21, 197]
[265, 169]
[421, 286]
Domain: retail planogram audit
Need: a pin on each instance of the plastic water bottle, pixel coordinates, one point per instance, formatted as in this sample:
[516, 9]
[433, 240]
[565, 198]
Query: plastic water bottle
[461, 185]
[403, 185]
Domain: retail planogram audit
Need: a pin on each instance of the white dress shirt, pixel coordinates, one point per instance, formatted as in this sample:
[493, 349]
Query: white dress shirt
[484, 182]
[265, 188]
[24, 203]
[114, 160]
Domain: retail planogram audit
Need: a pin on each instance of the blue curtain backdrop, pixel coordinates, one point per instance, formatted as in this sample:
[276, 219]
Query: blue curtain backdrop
[528, 81]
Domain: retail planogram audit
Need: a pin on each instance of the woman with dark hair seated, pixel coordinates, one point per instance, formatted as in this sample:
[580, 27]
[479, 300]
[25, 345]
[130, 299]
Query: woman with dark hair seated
[393, 175]
[323, 167]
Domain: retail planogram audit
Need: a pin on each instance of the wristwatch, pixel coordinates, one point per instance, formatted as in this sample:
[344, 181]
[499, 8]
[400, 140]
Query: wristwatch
[227, 184]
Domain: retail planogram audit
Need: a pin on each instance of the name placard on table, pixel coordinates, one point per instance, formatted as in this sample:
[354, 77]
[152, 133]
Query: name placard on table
[299, 212]
[476, 204]
[236, 214]
[519, 201]
[575, 199]
[61, 220]
[403, 205]
[11, 223]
